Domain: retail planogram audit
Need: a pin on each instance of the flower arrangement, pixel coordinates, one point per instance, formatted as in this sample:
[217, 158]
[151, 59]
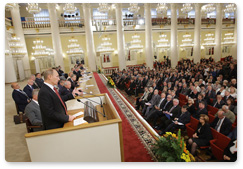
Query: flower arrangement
[110, 82]
[172, 148]
[99, 70]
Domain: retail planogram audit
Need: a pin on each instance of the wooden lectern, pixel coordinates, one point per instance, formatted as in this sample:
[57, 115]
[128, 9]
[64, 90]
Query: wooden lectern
[89, 142]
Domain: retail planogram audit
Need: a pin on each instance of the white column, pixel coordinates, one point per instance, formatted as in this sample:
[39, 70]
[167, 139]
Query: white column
[173, 40]
[197, 34]
[148, 37]
[89, 37]
[218, 32]
[18, 30]
[234, 47]
[55, 33]
[10, 75]
[120, 37]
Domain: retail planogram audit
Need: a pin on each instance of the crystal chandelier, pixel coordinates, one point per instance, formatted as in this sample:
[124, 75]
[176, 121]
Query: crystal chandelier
[135, 43]
[33, 8]
[16, 47]
[134, 8]
[162, 8]
[69, 8]
[230, 8]
[106, 45]
[74, 48]
[208, 8]
[186, 8]
[229, 39]
[39, 50]
[163, 42]
[209, 41]
[104, 8]
[187, 41]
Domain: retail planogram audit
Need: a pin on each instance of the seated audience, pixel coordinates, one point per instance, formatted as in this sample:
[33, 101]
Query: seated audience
[229, 114]
[218, 103]
[190, 106]
[39, 81]
[230, 152]
[201, 110]
[66, 89]
[144, 98]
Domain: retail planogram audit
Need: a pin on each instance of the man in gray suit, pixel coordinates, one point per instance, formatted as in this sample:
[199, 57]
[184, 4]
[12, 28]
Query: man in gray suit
[32, 110]
[150, 105]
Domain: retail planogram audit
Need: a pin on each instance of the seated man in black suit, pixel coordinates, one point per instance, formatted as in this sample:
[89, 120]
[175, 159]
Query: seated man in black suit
[200, 99]
[61, 84]
[157, 111]
[131, 89]
[73, 81]
[174, 112]
[66, 89]
[201, 110]
[221, 123]
[227, 96]
[29, 88]
[35, 85]
[210, 93]
[180, 121]
[218, 103]
[52, 105]
[20, 97]
[39, 80]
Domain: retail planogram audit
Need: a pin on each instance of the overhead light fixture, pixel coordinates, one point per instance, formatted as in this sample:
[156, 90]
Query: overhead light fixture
[105, 46]
[69, 8]
[134, 8]
[229, 39]
[163, 42]
[162, 8]
[209, 41]
[208, 8]
[16, 47]
[39, 50]
[104, 7]
[140, 21]
[186, 8]
[187, 41]
[230, 8]
[136, 42]
[33, 8]
[74, 47]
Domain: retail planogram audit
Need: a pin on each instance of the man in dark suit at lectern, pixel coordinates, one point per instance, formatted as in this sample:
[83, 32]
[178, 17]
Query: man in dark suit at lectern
[52, 105]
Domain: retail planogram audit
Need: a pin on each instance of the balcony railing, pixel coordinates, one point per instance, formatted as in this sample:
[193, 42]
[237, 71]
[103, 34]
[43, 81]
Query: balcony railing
[43, 22]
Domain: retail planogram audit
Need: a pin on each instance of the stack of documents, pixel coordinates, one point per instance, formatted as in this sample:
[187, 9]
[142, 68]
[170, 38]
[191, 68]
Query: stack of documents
[78, 114]
[79, 121]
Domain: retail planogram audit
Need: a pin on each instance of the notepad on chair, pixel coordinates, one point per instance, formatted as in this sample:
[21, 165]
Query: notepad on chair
[89, 85]
[79, 121]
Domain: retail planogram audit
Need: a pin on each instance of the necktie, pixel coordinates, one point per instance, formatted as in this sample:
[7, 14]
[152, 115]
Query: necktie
[218, 124]
[21, 91]
[215, 103]
[165, 104]
[60, 99]
[160, 102]
[171, 109]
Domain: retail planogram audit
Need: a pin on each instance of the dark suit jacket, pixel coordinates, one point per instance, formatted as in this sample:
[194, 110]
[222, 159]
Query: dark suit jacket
[20, 99]
[199, 112]
[184, 118]
[205, 133]
[78, 75]
[211, 95]
[52, 111]
[28, 90]
[39, 82]
[166, 107]
[176, 112]
[73, 84]
[219, 106]
[225, 127]
[155, 100]
[64, 91]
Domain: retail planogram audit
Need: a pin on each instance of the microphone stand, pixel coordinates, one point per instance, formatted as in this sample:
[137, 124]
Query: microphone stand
[101, 103]
[91, 107]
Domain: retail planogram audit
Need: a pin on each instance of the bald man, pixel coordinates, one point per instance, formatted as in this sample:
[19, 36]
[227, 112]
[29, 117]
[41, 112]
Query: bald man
[20, 97]
[66, 89]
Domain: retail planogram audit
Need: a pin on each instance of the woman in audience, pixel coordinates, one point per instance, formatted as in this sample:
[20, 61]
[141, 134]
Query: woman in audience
[230, 103]
[191, 107]
[202, 136]
[232, 91]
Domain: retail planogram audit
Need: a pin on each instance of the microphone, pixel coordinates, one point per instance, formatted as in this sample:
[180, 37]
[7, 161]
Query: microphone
[101, 103]
[91, 107]
[89, 99]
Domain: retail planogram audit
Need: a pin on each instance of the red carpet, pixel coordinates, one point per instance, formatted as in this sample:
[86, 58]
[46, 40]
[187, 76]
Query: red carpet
[134, 150]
